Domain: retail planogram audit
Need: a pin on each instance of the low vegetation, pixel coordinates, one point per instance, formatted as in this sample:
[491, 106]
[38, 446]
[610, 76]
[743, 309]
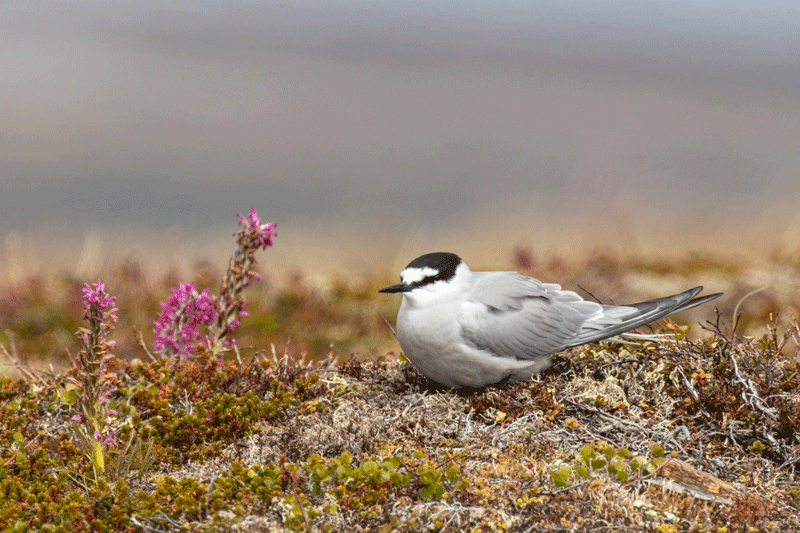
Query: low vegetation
[333, 431]
[683, 436]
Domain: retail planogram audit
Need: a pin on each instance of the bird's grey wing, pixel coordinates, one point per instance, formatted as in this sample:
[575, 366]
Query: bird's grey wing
[519, 317]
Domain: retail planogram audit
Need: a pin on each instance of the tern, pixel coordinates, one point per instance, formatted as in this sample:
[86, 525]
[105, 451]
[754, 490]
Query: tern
[466, 329]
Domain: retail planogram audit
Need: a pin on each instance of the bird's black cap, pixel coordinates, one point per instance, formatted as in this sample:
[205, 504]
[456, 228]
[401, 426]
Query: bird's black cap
[436, 266]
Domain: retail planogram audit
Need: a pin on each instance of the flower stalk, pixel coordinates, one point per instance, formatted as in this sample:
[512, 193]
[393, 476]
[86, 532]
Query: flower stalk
[88, 390]
[177, 332]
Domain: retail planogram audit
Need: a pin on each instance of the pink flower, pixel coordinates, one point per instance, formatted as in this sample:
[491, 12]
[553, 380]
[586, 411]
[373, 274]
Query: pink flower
[176, 330]
[180, 317]
[99, 297]
[264, 232]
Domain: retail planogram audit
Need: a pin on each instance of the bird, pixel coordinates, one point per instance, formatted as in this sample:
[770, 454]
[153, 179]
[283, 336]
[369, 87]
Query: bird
[465, 329]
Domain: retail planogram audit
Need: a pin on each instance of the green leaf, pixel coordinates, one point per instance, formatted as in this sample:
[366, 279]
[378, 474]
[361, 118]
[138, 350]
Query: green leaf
[609, 452]
[452, 473]
[391, 463]
[428, 476]
[637, 462]
[346, 459]
[561, 477]
[370, 467]
[431, 492]
[598, 463]
[587, 453]
[344, 471]
[617, 467]
[68, 397]
[657, 450]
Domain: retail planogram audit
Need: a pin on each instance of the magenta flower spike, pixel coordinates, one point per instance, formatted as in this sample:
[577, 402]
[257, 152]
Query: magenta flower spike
[263, 232]
[176, 330]
[177, 327]
[93, 395]
[98, 295]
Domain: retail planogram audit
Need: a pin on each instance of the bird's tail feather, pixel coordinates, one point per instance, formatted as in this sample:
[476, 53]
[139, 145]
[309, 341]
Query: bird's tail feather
[617, 319]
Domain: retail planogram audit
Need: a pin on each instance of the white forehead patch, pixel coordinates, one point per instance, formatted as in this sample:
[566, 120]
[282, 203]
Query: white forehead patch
[415, 275]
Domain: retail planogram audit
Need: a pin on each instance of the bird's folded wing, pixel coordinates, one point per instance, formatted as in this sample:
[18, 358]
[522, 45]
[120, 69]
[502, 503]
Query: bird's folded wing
[519, 317]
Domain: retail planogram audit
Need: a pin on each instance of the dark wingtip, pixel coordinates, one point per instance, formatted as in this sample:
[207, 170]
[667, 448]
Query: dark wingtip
[701, 300]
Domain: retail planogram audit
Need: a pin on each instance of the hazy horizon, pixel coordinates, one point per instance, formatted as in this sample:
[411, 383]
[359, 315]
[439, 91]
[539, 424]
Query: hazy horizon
[402, 124]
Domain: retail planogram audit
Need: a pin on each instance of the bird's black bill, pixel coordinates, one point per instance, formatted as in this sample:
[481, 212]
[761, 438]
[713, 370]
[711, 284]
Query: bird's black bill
[399, 287]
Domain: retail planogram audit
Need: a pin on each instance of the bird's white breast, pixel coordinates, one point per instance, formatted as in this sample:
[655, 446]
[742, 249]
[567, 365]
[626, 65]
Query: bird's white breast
[430, 335]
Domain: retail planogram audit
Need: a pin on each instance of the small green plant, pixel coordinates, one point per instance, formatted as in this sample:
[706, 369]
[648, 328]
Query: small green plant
[617, 463]
[322, 486]
[432, 480]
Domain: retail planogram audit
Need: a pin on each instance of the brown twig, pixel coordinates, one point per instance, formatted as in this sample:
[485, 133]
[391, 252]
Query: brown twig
[26, 371]
[140, 338]
[596, 299]
[293, 483]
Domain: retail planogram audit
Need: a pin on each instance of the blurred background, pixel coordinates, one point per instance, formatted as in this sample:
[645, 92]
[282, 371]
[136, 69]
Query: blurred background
[556, 138]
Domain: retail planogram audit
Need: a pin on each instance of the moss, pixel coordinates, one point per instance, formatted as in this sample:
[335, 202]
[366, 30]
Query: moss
[55, 504]
[215, 422]
[365, 447]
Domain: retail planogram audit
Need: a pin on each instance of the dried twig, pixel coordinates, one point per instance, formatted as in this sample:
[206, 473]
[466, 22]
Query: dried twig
[688, 384]
[26, 371]
[140, 338]
[388, 324]
[750, 394]
[293, 484]
[736, 313]
[587, 291]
